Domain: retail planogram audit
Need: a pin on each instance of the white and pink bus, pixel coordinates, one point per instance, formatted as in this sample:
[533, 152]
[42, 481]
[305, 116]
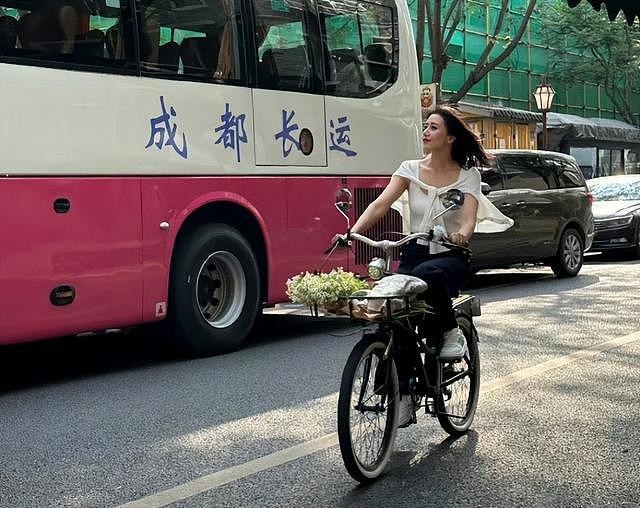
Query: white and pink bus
[178, 160]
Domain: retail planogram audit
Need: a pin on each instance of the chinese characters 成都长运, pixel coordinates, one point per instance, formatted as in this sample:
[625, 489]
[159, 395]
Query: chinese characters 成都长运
[285, 133]
[233, 131]
[342, 138]
[160, 128]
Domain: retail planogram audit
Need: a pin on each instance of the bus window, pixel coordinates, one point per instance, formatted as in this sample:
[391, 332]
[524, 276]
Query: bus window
[198, 39]
[65, 32]
[284, 56]
[361, 47]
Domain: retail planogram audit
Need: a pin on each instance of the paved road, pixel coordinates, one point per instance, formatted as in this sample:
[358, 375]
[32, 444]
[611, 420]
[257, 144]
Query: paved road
[109, 420]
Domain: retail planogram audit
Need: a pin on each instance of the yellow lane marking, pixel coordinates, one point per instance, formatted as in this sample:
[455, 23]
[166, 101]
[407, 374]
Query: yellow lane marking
[581, 354]
[213, 480]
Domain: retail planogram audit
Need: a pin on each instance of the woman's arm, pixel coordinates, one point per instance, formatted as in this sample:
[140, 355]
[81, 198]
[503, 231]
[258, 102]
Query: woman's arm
[374, 212]
[468, 218]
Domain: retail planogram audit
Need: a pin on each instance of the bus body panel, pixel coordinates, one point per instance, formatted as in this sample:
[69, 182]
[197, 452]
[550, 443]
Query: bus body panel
[101, 124]
[103, 249]
[174, 200]
[296, 215]
[96, 124]
[95, 248]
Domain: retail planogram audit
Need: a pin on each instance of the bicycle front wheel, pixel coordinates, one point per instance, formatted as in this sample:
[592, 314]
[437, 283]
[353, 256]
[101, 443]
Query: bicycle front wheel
[460, 386]
[368, 410]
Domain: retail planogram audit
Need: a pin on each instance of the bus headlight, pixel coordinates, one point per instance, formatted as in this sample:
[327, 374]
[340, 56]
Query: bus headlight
[376, 268]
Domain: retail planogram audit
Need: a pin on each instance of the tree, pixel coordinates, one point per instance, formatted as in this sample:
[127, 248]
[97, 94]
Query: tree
[600, 51]
[443, 18]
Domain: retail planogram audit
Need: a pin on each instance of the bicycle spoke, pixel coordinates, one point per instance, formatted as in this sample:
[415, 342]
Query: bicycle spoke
[368, 426]
[458, 387]
[365, 376]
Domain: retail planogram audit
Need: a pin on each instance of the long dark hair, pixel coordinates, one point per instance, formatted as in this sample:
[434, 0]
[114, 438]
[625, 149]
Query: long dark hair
[467, 150]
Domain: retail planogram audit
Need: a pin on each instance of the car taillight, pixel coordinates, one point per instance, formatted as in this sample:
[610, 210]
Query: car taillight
[591, 197]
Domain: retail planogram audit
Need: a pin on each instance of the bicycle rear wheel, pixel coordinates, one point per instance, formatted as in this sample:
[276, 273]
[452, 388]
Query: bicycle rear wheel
[460, 386]
[367, 410]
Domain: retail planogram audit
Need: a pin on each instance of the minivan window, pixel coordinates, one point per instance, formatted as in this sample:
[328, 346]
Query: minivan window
[526, 172]
[568, 174]
[492, 177]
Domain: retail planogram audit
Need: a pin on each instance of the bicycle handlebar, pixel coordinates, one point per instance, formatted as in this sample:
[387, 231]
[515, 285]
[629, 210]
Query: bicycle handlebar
[387, 245]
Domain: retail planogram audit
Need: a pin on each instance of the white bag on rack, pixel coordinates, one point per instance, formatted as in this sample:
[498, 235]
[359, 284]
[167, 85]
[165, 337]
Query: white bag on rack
[371, 303]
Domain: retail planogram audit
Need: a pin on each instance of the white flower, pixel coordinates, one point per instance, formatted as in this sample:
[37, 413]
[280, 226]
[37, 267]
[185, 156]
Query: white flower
[324, 288]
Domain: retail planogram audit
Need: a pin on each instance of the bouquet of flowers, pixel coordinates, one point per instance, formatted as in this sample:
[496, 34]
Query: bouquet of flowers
[324, 290]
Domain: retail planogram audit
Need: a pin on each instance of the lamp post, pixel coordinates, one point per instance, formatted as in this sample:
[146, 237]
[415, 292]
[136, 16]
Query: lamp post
[544, 95]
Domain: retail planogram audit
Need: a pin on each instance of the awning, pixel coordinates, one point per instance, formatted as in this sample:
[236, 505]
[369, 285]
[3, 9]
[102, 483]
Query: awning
[596, 129]
[499, 112]
[630, 8]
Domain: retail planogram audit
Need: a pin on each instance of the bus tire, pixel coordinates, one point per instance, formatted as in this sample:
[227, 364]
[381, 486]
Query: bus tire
[214, 292]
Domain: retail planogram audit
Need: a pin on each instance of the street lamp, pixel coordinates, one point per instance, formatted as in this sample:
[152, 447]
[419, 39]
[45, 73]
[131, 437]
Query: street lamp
[544, 95]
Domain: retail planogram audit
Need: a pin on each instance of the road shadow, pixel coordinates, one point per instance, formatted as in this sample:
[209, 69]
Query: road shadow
[61, 359]
[437, 468]
[65, 358]
[488, 278]
[534, 272]
[70, 358]
[516, 284]
[275, 328]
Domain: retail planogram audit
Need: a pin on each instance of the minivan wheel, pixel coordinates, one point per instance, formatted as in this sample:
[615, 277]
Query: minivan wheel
[570, 256]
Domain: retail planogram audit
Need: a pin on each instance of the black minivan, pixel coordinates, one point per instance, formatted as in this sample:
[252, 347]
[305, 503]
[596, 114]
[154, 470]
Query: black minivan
[546, 196]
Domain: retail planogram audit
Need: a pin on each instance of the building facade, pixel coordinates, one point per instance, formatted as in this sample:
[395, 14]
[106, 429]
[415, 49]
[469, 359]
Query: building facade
[511, 119]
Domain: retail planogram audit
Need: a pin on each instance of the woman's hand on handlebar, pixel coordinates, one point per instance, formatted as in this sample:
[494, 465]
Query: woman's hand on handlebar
[341, 240]
[459, 239]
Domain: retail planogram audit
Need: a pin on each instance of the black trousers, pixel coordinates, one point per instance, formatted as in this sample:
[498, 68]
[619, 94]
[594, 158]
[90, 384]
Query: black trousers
[446, 273]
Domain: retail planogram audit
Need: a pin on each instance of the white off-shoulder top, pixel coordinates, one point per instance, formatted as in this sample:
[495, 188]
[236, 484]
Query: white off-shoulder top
[422, 202]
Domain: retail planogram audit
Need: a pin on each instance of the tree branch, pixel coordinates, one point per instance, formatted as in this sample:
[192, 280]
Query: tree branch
[480, 71]
[492, 39]
[420, 36]
[454, 25]
[450, 11]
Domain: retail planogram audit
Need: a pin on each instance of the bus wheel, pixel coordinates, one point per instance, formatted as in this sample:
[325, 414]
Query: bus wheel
[214, 293]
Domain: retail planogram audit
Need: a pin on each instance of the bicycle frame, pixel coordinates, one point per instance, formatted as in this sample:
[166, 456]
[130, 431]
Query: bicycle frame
[429, 381]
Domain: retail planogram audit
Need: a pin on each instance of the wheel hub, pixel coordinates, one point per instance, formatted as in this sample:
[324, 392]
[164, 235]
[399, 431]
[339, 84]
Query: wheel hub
[221, 289]
[572, 252]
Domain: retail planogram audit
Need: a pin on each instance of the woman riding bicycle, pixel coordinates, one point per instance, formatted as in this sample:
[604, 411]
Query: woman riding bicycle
[452, 151]
[420, 358]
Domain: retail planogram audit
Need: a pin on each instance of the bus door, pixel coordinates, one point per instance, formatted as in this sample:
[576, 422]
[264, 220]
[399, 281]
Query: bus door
[289, 122]
[288, 104]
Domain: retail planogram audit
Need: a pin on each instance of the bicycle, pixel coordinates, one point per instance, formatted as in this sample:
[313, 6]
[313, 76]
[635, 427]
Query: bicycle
[400, 359]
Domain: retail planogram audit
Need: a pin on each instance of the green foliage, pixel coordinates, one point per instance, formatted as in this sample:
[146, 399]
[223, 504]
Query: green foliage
[596, 50]
[483, 32]
[324, 288]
